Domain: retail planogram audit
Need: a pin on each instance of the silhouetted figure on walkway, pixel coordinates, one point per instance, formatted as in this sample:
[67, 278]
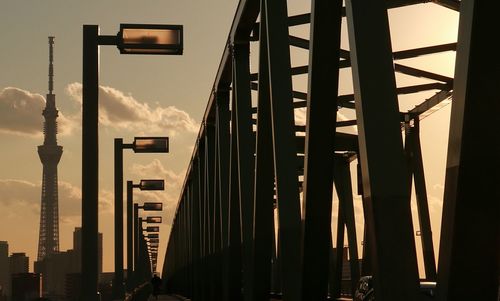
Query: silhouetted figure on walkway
[156, 282]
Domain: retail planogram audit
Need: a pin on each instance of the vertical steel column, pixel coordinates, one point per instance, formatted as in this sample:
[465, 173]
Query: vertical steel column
[331, 269]
[283, 125]
[171, 260]
[385, 187]
[366, 263]
[210, 202]
[263, 231]
[90, 161]
[417, 170]
[203, 255]
[338, 252]
[326, 17]
[195, 197]
[194, 229]
[234, 267]
[136, 243]
[130, 237]
[223, 141]
[180, 248]
[189, 234]
[139, 270]
[470, 233]
[274, 266]
[216, 229]
[245, 152]
[277, 278]
[346, 204]
[184, 244]
[118, 289]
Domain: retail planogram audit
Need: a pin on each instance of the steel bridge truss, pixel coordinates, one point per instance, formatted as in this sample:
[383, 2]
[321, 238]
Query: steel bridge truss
[239, 232]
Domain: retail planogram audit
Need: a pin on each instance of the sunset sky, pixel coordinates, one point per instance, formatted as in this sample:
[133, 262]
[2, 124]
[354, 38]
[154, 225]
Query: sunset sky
[153, 95]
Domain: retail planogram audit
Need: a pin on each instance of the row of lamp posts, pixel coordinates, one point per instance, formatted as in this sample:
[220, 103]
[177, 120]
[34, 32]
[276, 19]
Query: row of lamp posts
[140, 145]
[131, 39]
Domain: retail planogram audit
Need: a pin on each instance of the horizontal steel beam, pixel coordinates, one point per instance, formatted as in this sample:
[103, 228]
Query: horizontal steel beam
[306, 18]
[347, 101]
[428, 106]
[416, 52]
[422, 73]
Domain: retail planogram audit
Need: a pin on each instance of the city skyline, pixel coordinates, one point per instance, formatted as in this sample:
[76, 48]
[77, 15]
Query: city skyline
[132, 111]
[131, 102]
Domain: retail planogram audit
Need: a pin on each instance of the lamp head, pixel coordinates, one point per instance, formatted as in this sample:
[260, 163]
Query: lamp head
[150, 39]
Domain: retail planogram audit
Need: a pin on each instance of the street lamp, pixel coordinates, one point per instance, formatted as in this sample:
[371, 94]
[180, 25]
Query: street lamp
[142, 185]
[150, 145]
[156, 39]
[152, 185]
[140, 145]
[148, 206]
[139, 43]
[152, 229]
[153, 219]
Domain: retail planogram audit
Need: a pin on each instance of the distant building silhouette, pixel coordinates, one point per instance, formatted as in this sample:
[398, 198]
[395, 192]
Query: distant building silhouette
[4, 269]
[26, 286]
[77, 246]
[61, 271]
[19, 263]
[50, 154]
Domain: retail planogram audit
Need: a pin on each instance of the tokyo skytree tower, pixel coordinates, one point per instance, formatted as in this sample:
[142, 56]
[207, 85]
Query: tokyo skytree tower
[50, 154]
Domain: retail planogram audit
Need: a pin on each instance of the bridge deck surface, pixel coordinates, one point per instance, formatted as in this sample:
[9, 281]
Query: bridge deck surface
[165, 298]
[174, 298]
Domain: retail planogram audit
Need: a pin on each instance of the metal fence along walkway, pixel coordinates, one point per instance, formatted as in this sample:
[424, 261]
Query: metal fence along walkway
[254, 219]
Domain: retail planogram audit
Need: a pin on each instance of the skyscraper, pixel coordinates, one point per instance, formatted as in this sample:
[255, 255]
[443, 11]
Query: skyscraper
[4, 269]
[50, 154]
[19, 263]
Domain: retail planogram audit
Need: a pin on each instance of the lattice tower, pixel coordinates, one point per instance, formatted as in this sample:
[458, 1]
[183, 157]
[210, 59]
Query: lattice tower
[50, 154]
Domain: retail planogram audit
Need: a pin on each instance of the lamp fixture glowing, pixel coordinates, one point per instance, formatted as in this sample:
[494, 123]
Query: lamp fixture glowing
[150, 145]
[152, 206]
[150, 39]
[152, 185]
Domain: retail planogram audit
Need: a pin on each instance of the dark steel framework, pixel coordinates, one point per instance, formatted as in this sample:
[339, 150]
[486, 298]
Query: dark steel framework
[50, 153]
[253, 164]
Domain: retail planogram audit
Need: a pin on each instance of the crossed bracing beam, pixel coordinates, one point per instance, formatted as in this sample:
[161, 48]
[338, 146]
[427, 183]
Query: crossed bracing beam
[240, 167]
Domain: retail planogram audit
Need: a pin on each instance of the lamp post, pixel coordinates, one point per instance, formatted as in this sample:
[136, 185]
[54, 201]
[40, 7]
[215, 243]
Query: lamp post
[131, 39]
[153, 244]
[142, 185]
[138, 235]
[140, 145]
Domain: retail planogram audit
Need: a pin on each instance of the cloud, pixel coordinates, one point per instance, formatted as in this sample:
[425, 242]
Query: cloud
[21, 113]
[28, 195]
[122, 111]
[173, 185]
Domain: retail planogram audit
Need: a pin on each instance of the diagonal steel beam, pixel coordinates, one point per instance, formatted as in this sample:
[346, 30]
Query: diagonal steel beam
[320, 132]
[422, 73]
[283, 139]
[263, 232]
[385, 191]
[470, 232]
[243, 108]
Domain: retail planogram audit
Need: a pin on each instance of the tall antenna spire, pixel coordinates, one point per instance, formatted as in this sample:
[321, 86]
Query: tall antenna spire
[50, 154]
[51, 66]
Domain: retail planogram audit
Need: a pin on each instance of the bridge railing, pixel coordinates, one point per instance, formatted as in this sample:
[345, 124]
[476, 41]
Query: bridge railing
[140, 293]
